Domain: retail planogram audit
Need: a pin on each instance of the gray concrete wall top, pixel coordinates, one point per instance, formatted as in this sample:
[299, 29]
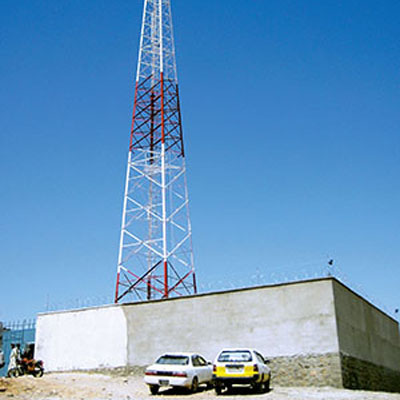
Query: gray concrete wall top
[364, 331]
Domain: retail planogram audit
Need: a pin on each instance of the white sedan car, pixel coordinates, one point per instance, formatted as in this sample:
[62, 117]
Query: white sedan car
[187, 370]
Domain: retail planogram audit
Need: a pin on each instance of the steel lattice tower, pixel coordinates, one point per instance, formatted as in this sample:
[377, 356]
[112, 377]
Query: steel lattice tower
[155, 253]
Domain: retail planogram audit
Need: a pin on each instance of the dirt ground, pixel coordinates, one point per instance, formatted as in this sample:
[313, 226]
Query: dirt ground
[85, 386]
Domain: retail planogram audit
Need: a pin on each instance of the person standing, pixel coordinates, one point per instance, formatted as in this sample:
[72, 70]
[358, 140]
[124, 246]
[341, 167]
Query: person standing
[14, 358]
[18, 346]
[2, 362]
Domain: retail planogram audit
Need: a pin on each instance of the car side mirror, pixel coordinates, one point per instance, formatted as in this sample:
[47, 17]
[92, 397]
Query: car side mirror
[209, 363]
[267, 361]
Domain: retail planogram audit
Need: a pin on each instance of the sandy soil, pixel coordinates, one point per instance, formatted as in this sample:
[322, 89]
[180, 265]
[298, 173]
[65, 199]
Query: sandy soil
[84, 386]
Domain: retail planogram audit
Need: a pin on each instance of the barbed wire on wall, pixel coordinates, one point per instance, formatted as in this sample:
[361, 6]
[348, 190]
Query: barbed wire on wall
[78, 303]
[260, 276]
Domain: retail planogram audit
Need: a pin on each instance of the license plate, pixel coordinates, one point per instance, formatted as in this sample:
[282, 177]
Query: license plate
[234, 370]
[163, 382]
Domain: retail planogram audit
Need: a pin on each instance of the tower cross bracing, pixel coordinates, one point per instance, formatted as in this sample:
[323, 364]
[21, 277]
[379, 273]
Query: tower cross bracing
[155, 252]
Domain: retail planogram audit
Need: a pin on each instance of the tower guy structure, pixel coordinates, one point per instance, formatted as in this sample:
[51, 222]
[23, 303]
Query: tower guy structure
[155, 252]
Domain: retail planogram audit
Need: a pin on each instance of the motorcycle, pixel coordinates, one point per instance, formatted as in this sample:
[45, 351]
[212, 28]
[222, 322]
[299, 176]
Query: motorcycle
[31, 367]
[27, 367]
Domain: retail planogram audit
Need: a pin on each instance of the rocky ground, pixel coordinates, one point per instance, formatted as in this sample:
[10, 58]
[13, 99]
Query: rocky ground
[95, 386]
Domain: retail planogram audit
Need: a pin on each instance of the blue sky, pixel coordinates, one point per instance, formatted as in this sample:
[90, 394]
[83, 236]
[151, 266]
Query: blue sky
[291, 123]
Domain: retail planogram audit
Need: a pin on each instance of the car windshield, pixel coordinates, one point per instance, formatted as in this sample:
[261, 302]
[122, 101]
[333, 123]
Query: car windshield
[173, 360]
[235, 356]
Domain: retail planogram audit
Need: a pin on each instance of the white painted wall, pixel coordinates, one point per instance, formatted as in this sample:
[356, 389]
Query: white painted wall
[85, 339]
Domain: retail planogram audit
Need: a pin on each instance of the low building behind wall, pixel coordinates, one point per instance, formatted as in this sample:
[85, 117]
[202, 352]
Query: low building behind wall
[302, 327]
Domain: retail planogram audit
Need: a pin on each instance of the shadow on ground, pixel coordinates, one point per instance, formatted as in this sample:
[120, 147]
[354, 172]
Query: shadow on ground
[242, 391]
[234, 391]
[181, 391]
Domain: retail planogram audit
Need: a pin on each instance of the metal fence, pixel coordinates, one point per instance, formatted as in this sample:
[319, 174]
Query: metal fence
[18, 332]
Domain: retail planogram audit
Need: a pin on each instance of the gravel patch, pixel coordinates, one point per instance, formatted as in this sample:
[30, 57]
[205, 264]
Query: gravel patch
[128, 385]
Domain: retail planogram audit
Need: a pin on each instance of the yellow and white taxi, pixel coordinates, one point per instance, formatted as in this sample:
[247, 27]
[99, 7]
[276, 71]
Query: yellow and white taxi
[241, 367]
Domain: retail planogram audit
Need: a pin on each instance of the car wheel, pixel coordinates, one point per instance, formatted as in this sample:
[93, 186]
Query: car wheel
[267, 385]
[154, 389]
[228, 387]
[210, 386]
[195, 385]
[38, 372]
[218, 389]
[257, 386]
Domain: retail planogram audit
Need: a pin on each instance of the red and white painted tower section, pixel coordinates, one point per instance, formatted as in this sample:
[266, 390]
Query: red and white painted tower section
[155, 253]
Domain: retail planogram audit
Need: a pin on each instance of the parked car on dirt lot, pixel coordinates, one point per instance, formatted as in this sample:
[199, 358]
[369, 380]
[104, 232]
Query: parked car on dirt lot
[241, 367]
[187, 370]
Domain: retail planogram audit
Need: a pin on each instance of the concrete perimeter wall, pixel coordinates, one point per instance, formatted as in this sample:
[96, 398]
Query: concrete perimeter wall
[369, 343]
[315, 333]
[284, 322]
